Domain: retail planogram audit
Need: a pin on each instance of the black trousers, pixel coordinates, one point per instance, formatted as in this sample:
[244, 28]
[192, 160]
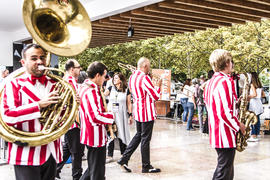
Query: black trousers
[96, 158]
[111, 147]
[143, 136]
[46, 171]
[73, 147]
[225, 168]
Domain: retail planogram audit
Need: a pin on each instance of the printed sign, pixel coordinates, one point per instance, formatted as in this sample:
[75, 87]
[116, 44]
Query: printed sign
[165, 75]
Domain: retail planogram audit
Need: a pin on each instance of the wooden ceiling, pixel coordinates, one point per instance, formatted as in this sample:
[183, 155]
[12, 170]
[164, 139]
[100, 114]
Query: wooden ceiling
[176, 16]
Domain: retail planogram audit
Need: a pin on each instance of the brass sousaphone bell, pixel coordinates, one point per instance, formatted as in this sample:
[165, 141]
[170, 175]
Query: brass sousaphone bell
[60, 27]
[63, 28]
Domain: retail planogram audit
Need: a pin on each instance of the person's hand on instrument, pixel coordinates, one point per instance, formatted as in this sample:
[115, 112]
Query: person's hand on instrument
[52, 98]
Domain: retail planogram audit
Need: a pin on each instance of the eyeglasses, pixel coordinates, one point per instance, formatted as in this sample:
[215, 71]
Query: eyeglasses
[77, 67]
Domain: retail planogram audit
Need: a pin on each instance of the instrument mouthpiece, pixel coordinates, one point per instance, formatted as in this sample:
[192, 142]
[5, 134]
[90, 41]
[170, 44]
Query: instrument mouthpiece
[41, 67]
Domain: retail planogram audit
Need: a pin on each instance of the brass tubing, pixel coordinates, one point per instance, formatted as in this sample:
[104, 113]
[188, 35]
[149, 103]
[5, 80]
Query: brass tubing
[11, 134]
[58, 114]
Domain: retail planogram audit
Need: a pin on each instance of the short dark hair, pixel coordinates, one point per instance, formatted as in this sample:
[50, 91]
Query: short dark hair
[28, 46]
[82, 77]
[187, 82]
[69, 64]
[95, 68]
[110, 73]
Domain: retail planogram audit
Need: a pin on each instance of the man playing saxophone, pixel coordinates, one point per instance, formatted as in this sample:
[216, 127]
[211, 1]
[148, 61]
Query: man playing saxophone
[23, 99]
[220, 100]
[93, 121]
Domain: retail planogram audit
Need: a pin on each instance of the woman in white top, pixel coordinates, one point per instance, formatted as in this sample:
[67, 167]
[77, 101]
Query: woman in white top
[191, 103]
[188, 103]
[120, 104]
[184, 99]
[255, 104]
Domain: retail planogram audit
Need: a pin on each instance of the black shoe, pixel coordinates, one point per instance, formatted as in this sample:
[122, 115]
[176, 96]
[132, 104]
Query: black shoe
[125, 168]
[123, 165]
[150, 169]
[57, 176]
[121, 161]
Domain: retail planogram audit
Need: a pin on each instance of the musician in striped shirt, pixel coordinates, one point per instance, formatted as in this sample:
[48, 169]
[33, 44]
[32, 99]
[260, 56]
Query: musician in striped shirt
[93, 121]
[144, 112]
[220, 101]
[72, 146]
[23, 99]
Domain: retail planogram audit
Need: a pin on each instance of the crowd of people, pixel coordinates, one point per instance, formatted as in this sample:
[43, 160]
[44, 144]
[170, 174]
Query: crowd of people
[215, 99]
[191, 99]
[25, 96]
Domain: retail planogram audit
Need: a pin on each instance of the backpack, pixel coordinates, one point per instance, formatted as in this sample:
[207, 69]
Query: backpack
[200, 96]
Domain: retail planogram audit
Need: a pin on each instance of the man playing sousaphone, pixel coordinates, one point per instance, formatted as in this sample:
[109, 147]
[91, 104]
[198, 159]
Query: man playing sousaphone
[23, 99]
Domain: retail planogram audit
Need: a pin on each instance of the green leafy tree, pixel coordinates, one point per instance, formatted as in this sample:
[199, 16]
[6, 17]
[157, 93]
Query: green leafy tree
[186, 55]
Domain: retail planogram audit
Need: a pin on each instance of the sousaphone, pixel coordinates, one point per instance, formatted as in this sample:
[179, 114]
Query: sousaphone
[61, 27]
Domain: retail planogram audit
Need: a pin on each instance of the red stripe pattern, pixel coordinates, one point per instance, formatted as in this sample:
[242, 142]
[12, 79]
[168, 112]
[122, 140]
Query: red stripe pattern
[220, 101]
[71, 80]
[20, 109]
[144, 96]
[93, 115]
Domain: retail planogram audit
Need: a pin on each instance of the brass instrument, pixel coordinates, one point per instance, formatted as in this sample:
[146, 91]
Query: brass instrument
[127, 67]
[111, 128]
[64, 28]
[246, 117]
[133, 68]
[155, 77]
[61, 27]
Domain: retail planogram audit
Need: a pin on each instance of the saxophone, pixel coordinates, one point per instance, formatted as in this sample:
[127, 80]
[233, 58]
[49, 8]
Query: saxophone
[246, 117]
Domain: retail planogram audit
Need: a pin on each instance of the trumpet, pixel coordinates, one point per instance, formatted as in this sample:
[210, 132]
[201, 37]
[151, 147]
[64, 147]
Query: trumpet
[133, 68]
[154, 77]
[127, 67]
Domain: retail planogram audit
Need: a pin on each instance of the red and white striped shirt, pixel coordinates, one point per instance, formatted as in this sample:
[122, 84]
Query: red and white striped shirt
[71, 80]
[220, 101]
[144, 96]
[93, 115]
[20, 109]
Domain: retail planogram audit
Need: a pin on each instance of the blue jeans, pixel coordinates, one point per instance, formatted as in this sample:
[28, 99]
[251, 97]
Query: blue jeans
[255, 129]
[183, 102]
[190, 107]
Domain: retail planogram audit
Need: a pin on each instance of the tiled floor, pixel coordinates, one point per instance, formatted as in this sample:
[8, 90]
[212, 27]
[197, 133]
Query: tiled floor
[181, 155]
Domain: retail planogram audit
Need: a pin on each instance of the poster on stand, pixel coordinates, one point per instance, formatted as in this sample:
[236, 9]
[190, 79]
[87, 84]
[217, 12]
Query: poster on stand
[165, 75]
